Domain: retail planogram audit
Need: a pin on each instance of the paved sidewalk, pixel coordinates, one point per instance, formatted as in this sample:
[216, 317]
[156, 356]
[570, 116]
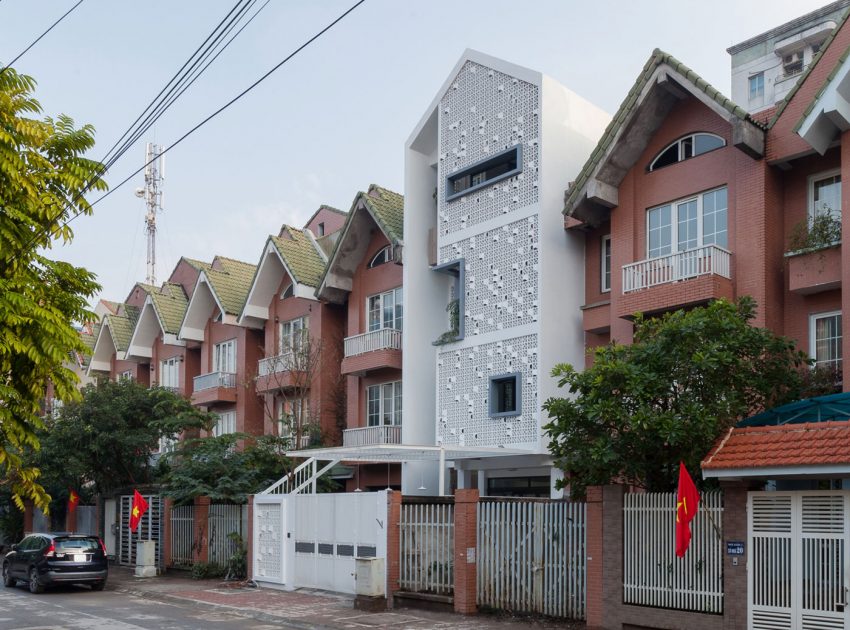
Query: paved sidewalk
[306, 608]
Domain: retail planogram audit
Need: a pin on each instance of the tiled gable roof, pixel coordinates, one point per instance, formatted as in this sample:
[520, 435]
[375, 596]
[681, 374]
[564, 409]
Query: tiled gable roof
[657, 58]
[231, 282]
[170, 303]
[300, 255]
[89, 338]
[200, 265]
[388, 209]
[122, 326]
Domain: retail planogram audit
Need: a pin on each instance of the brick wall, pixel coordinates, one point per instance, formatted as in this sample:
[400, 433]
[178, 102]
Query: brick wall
[466, 539]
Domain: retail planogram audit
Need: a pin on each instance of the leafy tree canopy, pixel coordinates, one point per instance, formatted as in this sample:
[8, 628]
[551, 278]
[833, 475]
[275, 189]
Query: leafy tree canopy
[688, 376]
[106, 440]
[42, 177]
[216, 467]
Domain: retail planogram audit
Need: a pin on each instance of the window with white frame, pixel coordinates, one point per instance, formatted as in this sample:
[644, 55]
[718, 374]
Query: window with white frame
[383, 404]
[756, 84]
[383, 256]
[688, 223]
[605, 262]
[292, 412]
[169, 373]
[292, 335]
[126, 375]
[825, 195]
[686, 148]
[225, 423]
[825, 339]
[167, 444]
[288, 292]
[57, 407]
[224, 356]
[385, 310]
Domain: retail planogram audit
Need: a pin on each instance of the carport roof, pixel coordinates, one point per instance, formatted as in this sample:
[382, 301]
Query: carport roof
[399, 453]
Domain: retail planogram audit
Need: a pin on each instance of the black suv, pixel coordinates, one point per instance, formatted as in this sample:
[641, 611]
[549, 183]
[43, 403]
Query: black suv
[46, 559]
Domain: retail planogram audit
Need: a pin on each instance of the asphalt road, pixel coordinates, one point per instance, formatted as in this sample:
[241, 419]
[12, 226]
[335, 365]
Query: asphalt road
[78, 607]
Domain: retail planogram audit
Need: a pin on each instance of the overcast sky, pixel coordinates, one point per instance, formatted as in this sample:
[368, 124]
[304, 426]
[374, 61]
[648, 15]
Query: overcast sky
[335, 118]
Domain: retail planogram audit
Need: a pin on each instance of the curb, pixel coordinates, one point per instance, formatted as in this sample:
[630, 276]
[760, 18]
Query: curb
[241, 612]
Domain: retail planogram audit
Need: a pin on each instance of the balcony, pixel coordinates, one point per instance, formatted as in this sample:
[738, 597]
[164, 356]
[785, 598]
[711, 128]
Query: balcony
[682, 279]
[372, 436]
[814, 271]
[278, 372]
[372, 351]
[215, 387]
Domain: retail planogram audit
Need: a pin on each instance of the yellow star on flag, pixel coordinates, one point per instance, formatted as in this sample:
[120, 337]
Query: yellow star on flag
[135, 511]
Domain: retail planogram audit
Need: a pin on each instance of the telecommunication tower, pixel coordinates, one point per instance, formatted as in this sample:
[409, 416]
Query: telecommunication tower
[152, 194]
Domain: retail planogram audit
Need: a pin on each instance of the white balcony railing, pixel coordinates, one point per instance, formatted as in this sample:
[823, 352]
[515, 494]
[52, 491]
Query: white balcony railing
[691, 263]
[383, 339]
[275, 365]
[370, 436]
[214, 379]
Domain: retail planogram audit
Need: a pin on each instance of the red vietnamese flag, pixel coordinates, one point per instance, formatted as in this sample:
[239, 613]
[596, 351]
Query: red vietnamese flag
[138, 509]
[73, 500]
[687, 502]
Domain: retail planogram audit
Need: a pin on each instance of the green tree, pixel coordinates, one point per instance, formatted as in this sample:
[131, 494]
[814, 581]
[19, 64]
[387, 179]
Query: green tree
[225, 468]
[105, 441]
[688, 376]
[43, 176]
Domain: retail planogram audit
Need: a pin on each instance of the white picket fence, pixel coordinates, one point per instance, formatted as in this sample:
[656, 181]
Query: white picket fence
[652, 574]
[224, 519]
[182, 535]
[531, 556]
[426, 542]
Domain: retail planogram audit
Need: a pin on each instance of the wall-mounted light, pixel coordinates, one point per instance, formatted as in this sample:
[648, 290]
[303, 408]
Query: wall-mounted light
[152, 367]
[276, 319]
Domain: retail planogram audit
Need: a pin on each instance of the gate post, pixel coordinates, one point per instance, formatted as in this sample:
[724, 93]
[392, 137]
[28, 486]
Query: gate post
[70, 521]
[735, 576]
[249, 538]
[201, 521]
[466, 551]
[393, 544]
[595, 607]
[165, 525]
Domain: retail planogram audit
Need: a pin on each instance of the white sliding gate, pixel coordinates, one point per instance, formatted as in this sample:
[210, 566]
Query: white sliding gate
[798, 570]
[311, 540]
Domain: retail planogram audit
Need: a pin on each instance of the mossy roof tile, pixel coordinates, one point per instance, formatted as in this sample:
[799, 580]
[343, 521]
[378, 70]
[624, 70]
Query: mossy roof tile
[170, 304]
[122, 326]
[300, 255]
[231, 282]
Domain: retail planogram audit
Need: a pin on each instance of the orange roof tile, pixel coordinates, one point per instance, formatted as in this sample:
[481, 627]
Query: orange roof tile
[806, 444]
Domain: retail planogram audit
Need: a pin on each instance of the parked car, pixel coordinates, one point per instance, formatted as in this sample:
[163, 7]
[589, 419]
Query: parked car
[47, 559]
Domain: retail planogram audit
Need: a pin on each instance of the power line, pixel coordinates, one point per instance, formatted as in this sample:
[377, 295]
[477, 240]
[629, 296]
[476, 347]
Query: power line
[229, 103]
[67, 13]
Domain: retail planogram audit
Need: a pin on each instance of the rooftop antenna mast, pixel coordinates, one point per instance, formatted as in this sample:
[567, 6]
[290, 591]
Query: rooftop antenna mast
[152, 194]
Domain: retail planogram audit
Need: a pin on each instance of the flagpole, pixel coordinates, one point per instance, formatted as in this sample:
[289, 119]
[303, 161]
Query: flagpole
[707, 511]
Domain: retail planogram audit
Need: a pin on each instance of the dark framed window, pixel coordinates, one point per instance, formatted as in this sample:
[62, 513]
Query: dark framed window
[384, 255]
[505, 164]
[686, 148]
[505, 395]
[288, 292]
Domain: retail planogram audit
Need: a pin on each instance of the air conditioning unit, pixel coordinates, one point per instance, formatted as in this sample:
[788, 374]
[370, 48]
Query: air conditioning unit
[370, 577]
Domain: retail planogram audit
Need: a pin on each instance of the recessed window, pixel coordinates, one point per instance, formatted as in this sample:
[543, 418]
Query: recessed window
[792, 64]
[756, 83]
[126, 375]
[321, 229]
[505, 398]
[383, 404]
[825, 339]
[384, 255]
[293, 335]
[288, 292]
[687, 224]
[605, 263]
[225, 423]
[169, 373]
[385, 310]
[825, 195]
[224, 357]
[687, 147]
[505, 164]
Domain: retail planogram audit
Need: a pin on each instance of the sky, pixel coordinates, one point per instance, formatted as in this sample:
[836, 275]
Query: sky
[332, 120]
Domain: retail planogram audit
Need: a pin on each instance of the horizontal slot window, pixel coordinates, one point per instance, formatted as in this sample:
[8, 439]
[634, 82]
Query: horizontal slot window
[505, 164]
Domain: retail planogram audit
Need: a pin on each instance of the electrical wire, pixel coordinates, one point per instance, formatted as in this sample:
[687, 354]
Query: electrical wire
[38, 39]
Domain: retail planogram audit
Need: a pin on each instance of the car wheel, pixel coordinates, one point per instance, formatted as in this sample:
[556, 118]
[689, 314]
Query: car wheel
[34, 584]
[98, 586]
[8, 580]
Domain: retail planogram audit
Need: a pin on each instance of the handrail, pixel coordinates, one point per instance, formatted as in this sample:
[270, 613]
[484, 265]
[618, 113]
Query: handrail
[691, 263]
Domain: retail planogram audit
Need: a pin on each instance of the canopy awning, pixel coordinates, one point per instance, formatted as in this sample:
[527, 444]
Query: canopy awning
[398, 453]
[816, 409]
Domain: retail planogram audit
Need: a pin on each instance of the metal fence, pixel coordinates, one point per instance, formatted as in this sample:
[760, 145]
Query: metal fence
[426, 541]
[652, 574]
[182, 535]
[531, 556]
[87, 519]
[224, 519]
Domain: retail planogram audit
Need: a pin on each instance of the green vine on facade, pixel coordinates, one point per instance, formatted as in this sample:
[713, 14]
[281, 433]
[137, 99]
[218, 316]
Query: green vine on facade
[453, 309]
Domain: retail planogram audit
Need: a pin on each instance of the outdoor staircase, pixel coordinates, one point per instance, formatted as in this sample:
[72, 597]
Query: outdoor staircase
[303, 480]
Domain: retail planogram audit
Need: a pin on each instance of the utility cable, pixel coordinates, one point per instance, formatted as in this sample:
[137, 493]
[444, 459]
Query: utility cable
[38, 39]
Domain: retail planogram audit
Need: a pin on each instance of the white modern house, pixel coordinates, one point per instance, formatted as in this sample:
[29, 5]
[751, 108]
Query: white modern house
[493, 282]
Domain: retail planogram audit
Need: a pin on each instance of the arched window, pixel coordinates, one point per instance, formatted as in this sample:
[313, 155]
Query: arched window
[384, 255]
[289, 291]
[687, 147]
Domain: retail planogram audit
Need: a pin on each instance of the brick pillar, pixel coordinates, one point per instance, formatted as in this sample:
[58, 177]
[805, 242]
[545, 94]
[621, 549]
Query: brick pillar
[845, 252]
[70, 520]
[594, 549]
[202, 513]
[249, 538]
[393, 544]
[165, 524]
[466, 551]
[734, 577]
[612, 556]
[28, 509]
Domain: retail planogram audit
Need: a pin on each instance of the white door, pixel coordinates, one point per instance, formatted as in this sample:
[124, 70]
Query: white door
[269, 547]
[109, 526]
[798, 568]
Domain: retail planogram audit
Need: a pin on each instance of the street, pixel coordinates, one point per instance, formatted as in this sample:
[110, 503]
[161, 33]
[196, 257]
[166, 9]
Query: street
[72, 607]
